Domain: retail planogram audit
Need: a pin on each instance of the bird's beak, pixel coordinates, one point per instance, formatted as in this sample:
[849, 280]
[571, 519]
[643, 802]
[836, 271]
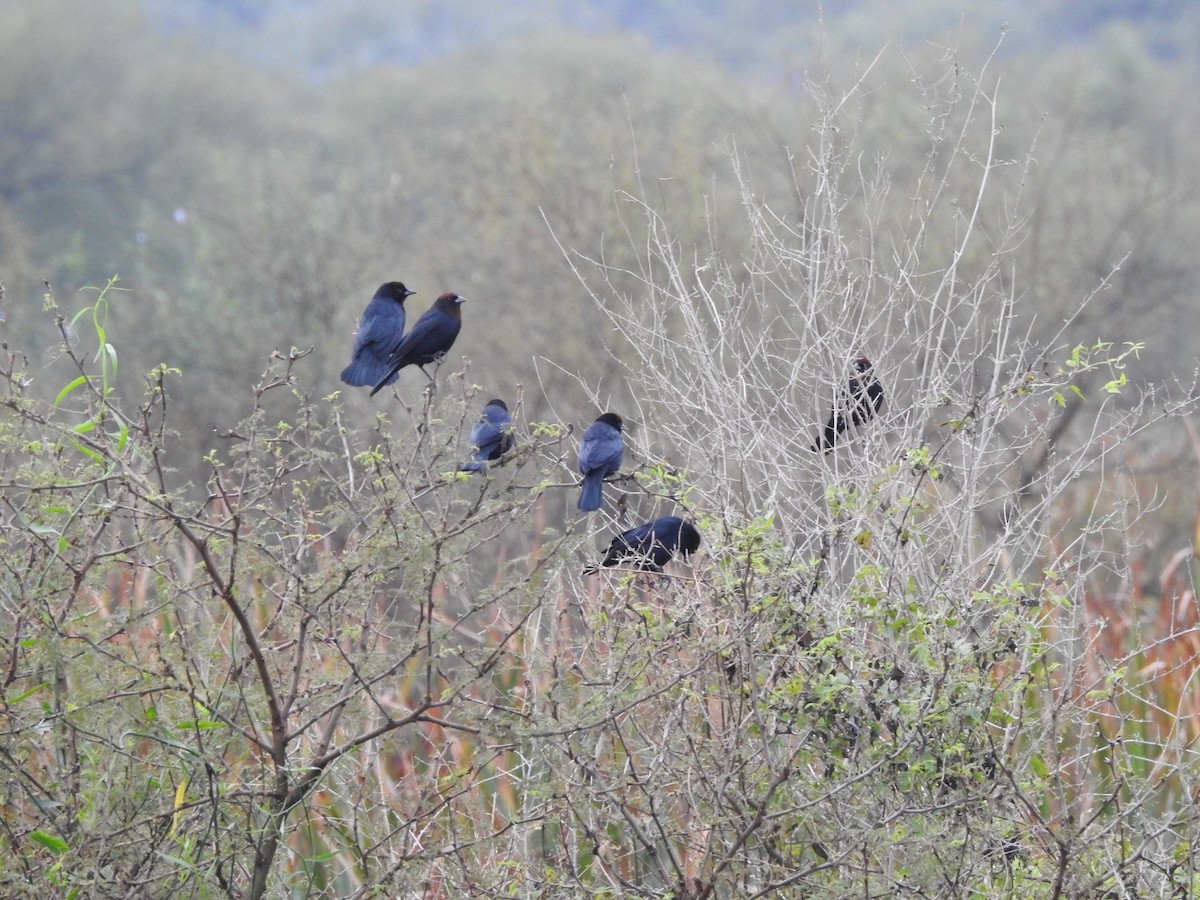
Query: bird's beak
[461, 300]
[408, 293]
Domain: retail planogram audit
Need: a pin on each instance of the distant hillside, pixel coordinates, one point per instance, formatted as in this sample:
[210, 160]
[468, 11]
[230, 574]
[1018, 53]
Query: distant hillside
[326, 38]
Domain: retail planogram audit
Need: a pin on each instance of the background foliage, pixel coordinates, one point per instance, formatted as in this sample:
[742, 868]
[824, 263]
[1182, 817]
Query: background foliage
[258, 637]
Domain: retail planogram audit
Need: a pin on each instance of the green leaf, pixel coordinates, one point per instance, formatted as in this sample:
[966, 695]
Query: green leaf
[29, 693]
[322, 857]
[83, 312]
[50, 842]
[200, 725]
[69, 388]
[1039, 767]
[112, 356]
[96, 457]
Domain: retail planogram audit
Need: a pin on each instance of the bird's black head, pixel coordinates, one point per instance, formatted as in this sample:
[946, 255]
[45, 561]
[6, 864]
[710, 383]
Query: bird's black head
[612, 419]
[862, 364]
[498, 402]
[451, 304]
[394, 290]
[689, 539]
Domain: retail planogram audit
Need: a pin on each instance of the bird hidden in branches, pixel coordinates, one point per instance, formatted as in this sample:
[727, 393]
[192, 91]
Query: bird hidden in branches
[652, 545]
[860, 402]
[491, 436]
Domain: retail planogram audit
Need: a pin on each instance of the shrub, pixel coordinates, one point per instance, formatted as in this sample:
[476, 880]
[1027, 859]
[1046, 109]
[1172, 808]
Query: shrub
[352, 670]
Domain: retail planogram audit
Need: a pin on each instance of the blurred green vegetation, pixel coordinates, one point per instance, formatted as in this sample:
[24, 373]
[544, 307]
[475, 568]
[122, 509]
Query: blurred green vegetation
[253, 170]
[251, 202]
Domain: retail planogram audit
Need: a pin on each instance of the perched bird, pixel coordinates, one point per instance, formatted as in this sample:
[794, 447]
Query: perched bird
[857, 405]
[651, 545]
[428, 341]
[600, 454]
[491, 436]
[379, 332]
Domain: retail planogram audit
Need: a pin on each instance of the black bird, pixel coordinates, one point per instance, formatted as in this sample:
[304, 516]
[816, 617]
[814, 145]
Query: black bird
[651, 545]
[491, 436]
[379, 332]
[600, 454]
[862, 399]
[429, 340]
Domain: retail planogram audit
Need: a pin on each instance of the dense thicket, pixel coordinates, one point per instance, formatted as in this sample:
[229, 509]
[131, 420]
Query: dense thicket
[263, 211]
[259, 638]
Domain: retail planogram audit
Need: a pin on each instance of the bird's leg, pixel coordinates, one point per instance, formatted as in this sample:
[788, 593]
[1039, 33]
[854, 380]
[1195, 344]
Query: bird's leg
[437, 364]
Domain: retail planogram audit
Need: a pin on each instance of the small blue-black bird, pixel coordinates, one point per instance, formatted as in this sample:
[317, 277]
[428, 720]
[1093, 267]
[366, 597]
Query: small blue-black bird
[491, 436]
[600, 454]
[862, 399]
[429, 340]
[651, 545]
[379, 333]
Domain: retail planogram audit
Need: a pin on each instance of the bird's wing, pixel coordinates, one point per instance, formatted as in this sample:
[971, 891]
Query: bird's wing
[599, 448]
[433, 330]
[381, 327]
[642, 538]
[875, 394]
[867, 400]
[415, 337]
[629, 543]
[487, 433]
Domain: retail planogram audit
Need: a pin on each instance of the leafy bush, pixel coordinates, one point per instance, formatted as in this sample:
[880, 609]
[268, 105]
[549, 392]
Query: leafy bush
[352, 670]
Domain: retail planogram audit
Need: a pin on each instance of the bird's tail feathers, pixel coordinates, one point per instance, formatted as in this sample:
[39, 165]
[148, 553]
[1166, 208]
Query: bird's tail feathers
[392, 374]
[591, 495]
[364, 371]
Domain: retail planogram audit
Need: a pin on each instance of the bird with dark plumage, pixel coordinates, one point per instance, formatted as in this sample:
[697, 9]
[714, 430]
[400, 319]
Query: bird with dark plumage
[380, 331]
[858, 405]
[429, 340]
[600, 454]
[491, 436]
[651, 545]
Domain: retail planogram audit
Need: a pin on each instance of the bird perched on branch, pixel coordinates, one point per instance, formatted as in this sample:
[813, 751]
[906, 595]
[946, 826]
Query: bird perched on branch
[380, 331]
[651, 545]
[491, 436]
[859, 404]
[428, 341]
[600, 454]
